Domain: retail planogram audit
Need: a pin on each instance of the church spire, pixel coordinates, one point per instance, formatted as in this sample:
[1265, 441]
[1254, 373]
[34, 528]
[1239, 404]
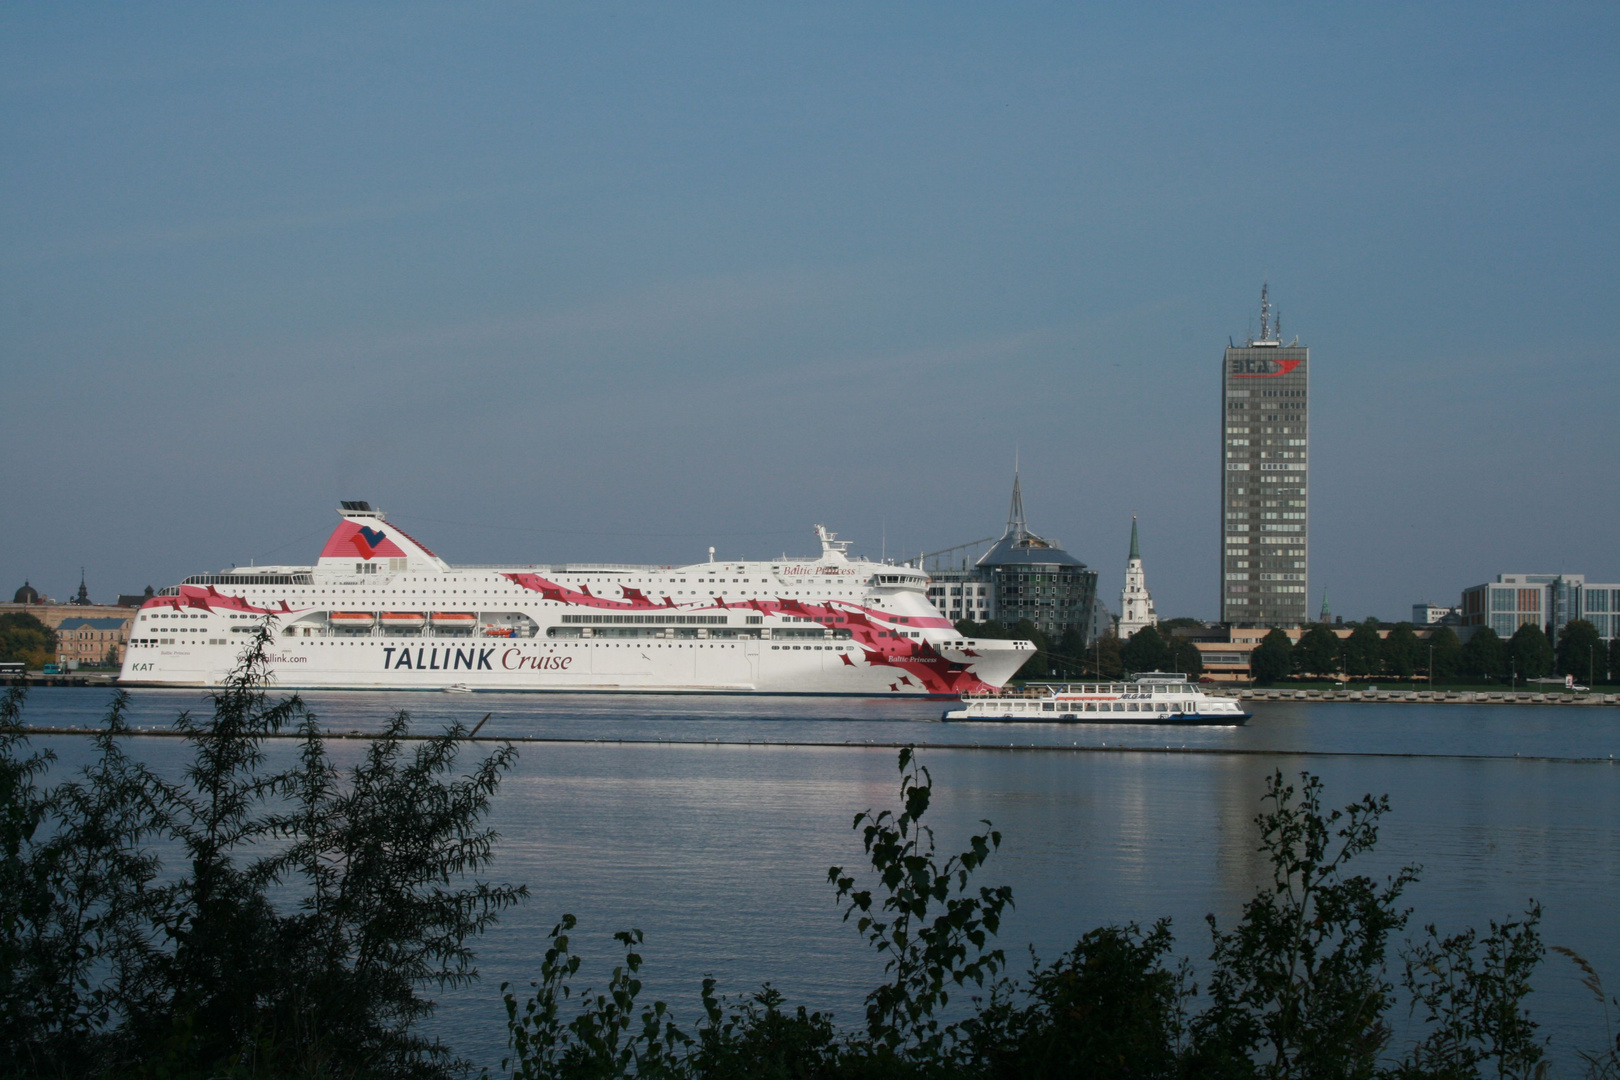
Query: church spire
[1326, 614]
[1135, 602]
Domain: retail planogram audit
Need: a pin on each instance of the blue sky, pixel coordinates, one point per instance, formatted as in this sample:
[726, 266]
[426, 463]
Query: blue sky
[616, 282]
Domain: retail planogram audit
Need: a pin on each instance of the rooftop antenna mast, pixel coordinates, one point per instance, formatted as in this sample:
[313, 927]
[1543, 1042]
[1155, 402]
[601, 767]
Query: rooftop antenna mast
[1015, 513]
[1265, 312]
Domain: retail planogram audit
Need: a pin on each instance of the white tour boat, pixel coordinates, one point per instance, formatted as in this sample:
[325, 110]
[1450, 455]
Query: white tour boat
[1153, 698]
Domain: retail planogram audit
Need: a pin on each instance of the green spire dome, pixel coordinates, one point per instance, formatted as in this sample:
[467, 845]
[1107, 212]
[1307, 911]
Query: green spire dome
[1135, 554]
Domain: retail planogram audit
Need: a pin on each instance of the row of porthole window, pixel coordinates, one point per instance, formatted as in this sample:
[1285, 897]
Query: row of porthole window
[171, 641]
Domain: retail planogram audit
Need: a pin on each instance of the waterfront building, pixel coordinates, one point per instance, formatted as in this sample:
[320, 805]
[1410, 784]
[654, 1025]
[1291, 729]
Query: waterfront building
[89, 641]
[1135, 602]
[1545, 600]
[962, 593]
[1224, 650]
[1265, 478]
[1022, 576]
[53, 614]
[1034, 578]
[1427, 614]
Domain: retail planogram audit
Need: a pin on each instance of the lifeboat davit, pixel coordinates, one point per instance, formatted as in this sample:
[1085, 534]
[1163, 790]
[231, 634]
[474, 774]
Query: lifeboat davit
[464, 619]
[403, 619]
[358, 619]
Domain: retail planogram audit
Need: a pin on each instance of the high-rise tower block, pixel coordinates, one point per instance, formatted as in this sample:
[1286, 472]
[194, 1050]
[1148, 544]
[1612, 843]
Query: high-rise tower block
[1265, 478]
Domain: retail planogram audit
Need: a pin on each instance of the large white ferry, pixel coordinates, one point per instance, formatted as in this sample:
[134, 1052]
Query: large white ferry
[1154, 698]
[378, 610]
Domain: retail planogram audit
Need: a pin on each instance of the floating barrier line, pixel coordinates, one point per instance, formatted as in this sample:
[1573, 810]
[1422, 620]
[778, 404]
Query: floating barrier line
[558, 740]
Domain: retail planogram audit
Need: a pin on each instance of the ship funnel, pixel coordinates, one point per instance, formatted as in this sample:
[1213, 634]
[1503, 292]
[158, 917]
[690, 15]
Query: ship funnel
[362, 545]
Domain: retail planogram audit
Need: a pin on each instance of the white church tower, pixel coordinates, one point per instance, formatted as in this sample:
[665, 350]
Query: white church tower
[1135, 602]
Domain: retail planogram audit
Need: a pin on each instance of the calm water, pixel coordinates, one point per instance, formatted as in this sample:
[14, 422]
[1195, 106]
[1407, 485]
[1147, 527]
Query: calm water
[719, 851]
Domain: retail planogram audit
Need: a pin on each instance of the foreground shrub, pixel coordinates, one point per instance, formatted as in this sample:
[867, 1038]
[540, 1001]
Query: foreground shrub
[114, 963]
[1471, 991]
[1298, 986]
[1108, 1007]
[925, 920]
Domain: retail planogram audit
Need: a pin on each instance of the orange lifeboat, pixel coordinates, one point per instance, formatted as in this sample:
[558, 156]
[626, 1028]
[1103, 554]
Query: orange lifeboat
[356, 620]
[403, 620]
[455, 619]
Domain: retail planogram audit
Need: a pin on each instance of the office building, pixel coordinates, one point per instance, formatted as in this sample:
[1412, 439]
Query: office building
[1545, 600]
[1265, 478]
[1427, 614]
[961, 593]
[1033, 578]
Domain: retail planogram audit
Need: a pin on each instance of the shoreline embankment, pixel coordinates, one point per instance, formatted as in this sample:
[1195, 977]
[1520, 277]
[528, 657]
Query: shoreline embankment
[1425, 697]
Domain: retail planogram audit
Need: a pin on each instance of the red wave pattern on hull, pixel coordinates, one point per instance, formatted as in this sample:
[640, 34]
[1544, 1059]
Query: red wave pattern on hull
[209, 599]
[881, 647]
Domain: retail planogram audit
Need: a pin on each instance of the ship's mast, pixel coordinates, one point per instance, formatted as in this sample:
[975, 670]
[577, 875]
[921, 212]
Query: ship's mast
[832, 548]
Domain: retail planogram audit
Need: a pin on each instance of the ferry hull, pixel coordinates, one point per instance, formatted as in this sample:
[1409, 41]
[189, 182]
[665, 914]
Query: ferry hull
[729, 667]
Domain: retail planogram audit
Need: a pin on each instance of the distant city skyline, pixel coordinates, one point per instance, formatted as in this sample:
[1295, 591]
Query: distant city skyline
[577, 284]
